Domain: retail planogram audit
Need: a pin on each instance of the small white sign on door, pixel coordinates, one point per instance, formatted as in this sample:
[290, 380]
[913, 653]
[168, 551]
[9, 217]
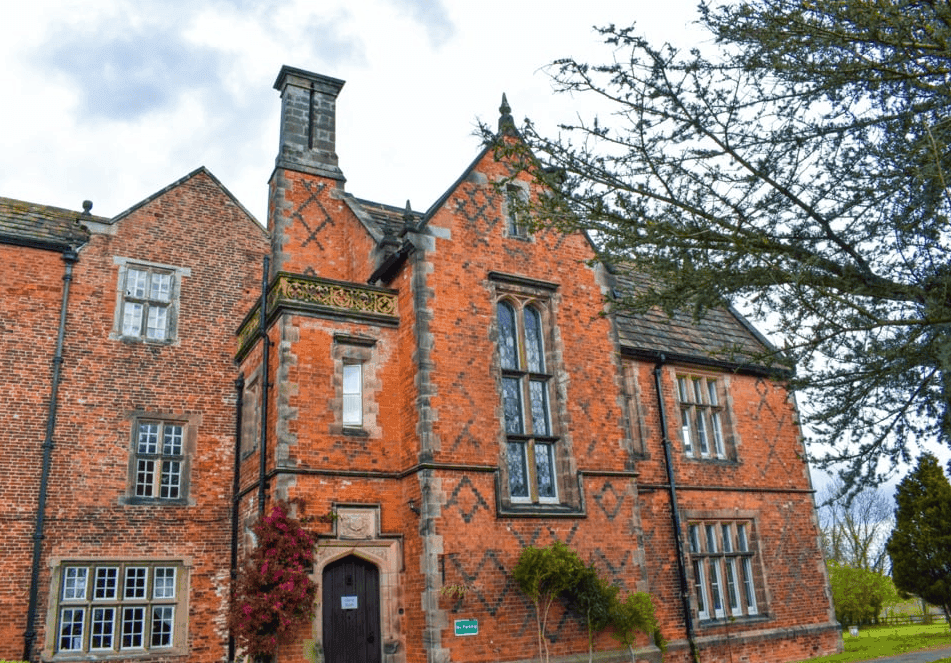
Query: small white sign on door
[348, 602]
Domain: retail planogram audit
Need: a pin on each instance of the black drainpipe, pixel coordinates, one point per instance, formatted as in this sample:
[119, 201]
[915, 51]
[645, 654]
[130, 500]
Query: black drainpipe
[675, 513]
[262, 473]
[235, 491]
[69, 257]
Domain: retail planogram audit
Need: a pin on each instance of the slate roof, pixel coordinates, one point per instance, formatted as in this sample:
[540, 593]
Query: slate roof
[721, 337]
[382, 217]
[42, 226]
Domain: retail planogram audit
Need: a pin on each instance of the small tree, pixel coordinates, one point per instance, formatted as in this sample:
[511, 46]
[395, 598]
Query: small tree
[920, 545]
[633, 615]
[274, 594]
[592, 598]
[543, 574]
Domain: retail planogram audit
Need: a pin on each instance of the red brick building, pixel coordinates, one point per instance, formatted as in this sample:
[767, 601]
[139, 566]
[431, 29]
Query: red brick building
[445, 383]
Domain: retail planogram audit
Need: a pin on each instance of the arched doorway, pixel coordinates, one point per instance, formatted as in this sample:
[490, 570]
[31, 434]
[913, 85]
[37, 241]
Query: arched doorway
[351, 612]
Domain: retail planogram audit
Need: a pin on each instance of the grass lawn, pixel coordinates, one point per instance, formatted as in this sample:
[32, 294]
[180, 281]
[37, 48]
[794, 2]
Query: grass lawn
[875, 641]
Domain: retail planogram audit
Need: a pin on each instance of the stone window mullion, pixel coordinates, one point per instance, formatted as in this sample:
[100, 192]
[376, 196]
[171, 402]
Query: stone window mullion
[533, 471]
[124, 607]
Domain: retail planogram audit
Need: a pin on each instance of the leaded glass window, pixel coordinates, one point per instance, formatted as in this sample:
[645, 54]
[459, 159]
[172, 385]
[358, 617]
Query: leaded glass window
[108, 608]
[538, 393]
[722, 563]
[518, 471]
[508, 344]
[701, 417]
[512, 401]
[545, 467]
[531, 445]
[534, 349]
[159, 460]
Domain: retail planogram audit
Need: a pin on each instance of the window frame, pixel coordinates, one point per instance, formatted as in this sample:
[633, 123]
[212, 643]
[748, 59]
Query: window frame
[526, 384]
[168, 303]
[188, 425]
[703, 416]
[719, 550]
[102, 618]
[351, 408]
[349, 351]
[251, 413]
[515, 208]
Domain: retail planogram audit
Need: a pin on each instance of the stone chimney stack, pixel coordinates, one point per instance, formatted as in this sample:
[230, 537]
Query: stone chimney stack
[307, 183]
[308, 123]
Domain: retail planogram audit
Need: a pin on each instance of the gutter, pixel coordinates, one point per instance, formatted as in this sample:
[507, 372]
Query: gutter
[777, 372]
[261, 485]
[675, 514]
[69, 257]
[35, 243]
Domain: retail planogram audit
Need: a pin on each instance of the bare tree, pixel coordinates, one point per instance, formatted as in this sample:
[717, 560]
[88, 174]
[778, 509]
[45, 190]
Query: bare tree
[854, 531]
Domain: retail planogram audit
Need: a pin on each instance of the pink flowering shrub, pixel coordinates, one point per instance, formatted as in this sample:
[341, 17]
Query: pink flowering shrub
[274, 595]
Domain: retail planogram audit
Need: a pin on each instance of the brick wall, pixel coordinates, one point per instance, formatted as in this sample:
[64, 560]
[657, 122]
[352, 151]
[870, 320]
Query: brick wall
[433, 441]
[31, 292]
[109, 382]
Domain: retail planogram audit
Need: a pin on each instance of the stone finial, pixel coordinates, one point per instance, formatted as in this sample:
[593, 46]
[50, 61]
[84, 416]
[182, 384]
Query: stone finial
[409, 219]
[87, 207]
[506, 122]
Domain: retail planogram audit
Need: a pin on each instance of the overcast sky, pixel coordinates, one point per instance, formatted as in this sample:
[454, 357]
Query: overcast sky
[112, 100]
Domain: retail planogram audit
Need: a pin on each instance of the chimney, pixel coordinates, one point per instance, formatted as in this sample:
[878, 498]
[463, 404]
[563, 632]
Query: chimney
[308, 123]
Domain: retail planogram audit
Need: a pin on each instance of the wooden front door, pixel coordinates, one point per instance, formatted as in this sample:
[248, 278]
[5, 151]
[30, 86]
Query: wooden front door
[351, 612]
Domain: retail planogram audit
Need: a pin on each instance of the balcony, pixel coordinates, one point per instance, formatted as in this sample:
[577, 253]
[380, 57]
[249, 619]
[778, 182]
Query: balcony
[309, 295]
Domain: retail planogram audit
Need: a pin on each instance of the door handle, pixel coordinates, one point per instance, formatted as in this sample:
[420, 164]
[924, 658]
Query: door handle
[371, 638]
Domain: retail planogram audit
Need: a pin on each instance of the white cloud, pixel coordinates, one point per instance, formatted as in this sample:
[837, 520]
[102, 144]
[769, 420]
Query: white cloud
[113, 100]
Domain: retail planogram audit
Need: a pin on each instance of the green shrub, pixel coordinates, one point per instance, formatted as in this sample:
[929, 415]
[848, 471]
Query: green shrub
[632, 615]
[593, 599]
[545, 574]
[859, 594]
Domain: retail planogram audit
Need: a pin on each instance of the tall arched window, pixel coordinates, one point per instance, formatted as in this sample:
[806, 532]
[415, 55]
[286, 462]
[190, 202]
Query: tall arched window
[530, 440]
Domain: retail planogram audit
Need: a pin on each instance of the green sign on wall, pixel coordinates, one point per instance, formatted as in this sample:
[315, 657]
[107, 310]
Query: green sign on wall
[467, 626]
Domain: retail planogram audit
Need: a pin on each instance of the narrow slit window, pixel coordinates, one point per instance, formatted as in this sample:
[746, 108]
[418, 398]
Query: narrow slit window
[352, 395]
